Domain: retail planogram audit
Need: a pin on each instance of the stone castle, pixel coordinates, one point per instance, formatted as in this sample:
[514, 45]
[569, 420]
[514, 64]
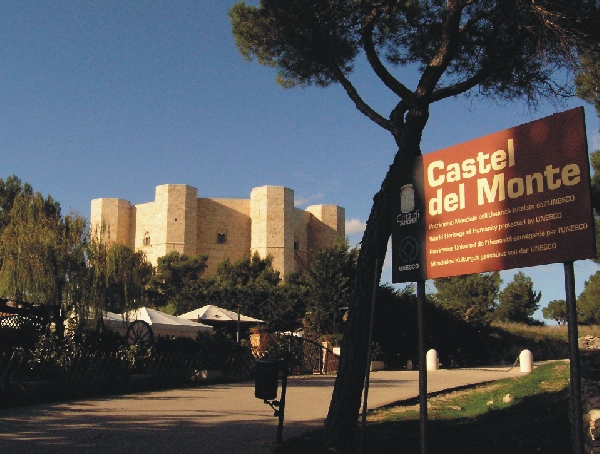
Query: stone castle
[177, 220]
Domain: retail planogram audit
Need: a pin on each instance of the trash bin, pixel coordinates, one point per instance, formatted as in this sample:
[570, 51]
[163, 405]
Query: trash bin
[267, 379]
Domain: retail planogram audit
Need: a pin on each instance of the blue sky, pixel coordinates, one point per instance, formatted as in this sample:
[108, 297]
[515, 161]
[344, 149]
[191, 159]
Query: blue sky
[110, 99]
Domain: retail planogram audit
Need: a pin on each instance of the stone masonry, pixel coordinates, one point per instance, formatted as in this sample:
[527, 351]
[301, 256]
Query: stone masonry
[177, 220]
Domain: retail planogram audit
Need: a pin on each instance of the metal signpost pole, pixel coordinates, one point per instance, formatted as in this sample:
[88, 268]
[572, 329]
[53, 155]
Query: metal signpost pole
[369, 353]
[285, 367]
[575, 372]
[422, 365]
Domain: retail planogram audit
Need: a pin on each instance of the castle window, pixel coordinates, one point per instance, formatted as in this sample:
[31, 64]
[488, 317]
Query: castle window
[296, 245]
[221, 237]
[146, 241]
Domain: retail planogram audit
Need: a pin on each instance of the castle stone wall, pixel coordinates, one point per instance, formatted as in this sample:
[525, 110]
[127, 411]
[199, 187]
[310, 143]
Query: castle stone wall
[300, 245]
[147, 225]
[177, 220]
[327, 224]
[225, 220]
[271, 211]
[178, 205]
[111, 218]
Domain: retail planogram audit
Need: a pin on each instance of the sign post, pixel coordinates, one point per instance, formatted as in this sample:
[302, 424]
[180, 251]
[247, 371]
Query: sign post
[516, 198]
[574, 366]
[422, 366]
[512, 199]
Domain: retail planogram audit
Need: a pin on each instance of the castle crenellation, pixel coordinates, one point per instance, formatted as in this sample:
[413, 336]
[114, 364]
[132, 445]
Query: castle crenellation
[178, 220]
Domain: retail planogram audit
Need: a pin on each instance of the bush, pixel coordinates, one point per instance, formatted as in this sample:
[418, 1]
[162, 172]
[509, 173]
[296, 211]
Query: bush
[215, 349]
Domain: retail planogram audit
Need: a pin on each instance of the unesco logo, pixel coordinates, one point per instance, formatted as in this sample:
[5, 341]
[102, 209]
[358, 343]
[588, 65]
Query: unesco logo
[409, 249]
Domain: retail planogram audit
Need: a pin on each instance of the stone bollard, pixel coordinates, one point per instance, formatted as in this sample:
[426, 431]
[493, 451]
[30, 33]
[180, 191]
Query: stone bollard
[526, 361]
[433, 362]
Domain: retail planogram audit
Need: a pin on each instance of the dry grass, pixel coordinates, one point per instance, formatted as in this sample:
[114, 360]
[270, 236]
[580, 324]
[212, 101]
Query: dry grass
[560, 332]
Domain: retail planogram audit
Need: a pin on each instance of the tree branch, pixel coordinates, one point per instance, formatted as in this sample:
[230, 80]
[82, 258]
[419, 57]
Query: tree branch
[478, 77]
[380, 70]
[448, 45]
[362, 106]
[461, 87]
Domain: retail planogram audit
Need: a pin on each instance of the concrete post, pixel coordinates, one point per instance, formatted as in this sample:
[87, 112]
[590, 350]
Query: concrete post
[526, 361]
[433, 362]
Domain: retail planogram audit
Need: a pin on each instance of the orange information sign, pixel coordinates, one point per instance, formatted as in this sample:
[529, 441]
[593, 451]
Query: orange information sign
[516, 198]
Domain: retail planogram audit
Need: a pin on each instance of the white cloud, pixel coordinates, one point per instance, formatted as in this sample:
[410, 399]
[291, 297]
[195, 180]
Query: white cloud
[300, 201]
[355, 226]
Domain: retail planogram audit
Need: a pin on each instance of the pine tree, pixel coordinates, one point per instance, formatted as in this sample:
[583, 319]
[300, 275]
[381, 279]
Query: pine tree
[557, 311]
[471, 297]
[518, 301]
[502, 49]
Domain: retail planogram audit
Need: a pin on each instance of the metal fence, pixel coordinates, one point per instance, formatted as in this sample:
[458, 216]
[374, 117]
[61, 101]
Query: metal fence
[306, 356]
[25, 379]
[30, 373]
[21, 330]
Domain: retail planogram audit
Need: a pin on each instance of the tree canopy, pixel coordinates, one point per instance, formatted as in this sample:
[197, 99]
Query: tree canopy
[328, 282]
[471, 297]
[9, 190]
[588, 302]
[41, 252]
[177, 281]
[588, 79]
[52, 259]
[246, 284]
[557, 311]
[508, 49]
[518, 301]
[595, 197]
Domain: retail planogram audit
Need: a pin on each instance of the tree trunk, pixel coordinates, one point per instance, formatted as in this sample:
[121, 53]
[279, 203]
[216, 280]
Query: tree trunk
[341, 423]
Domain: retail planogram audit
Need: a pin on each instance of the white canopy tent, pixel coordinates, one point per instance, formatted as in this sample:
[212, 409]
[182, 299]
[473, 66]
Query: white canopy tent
[212, 313]
[221, 318]
[162, 324]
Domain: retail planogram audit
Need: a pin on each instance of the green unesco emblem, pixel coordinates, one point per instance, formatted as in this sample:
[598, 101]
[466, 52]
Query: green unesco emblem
[408, 249]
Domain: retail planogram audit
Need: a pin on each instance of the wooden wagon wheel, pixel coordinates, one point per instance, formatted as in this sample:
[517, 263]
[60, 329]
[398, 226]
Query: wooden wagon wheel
[140, 333]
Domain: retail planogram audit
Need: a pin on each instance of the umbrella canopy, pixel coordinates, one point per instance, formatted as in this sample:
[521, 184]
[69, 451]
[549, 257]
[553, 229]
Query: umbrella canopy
[212, 313]
[162, 324]
[112, 317]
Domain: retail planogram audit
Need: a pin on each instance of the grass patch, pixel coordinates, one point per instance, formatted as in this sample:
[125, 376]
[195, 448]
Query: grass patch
[534, 419]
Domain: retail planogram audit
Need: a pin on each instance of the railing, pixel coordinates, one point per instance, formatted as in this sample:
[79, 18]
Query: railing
[30, 375]
[306, 356]
[21, 330]
[27, 379]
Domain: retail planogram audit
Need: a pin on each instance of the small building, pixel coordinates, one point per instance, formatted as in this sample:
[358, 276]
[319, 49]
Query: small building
[178, 220]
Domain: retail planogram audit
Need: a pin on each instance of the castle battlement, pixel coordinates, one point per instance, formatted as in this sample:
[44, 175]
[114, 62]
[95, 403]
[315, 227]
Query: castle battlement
[177, 220]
